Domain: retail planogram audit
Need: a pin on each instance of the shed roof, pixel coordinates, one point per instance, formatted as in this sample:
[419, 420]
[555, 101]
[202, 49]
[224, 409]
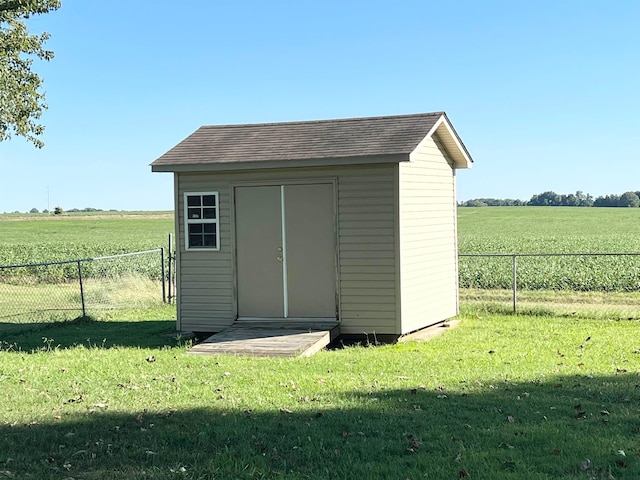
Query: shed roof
[320, 142]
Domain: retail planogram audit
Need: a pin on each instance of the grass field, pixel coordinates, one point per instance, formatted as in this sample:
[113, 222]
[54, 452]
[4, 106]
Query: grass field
[499, 397]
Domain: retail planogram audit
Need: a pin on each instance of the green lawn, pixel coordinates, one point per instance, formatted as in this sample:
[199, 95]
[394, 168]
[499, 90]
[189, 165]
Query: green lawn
[500, 397]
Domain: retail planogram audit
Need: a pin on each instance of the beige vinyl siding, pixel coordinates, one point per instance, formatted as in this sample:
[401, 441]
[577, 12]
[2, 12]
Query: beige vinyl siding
[206, 281]
[367, 255]
[366, 247]
[428, 244]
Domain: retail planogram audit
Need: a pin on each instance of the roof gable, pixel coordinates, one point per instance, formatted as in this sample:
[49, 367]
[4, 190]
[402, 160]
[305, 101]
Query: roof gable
[344, 141]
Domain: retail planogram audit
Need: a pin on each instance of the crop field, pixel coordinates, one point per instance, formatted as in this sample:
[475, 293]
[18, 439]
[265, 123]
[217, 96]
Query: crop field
[53, 292]
[534, 230]
[48, 239]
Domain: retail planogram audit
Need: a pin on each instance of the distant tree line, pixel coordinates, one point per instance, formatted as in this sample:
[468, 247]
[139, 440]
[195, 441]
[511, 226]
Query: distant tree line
[59, 210]
[552, 199]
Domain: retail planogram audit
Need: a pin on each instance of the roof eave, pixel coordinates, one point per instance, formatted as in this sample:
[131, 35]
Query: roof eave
[449, 137]
[271, 164]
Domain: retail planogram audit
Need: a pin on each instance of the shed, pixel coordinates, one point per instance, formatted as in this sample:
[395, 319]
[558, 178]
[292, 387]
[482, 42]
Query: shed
[351, 220]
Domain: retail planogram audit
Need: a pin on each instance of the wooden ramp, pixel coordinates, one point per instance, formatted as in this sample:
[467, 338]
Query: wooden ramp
[269, 339]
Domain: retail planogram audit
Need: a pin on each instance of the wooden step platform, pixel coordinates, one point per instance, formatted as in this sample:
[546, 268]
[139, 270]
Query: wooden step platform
[269, 339]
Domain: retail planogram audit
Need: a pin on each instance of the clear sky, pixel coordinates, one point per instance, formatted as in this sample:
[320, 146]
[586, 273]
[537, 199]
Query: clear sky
[544, 94]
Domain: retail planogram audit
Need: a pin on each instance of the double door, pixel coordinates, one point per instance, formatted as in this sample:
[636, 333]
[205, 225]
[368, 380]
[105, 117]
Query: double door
[285, 251]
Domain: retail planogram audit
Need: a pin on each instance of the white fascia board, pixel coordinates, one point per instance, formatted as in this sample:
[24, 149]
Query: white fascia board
[448, 135]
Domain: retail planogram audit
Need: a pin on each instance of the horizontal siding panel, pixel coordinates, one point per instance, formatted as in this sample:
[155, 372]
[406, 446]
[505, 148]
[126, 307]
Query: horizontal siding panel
[367, 262]
[368, 254]
[366, 219]
[211, 260]
[368, 269]
[371, 309]
[386, 240]
[364, 226]
[361, 231]
[368, 296]
[358, 282]
[428, 243]
[365, 209]
[364, 247]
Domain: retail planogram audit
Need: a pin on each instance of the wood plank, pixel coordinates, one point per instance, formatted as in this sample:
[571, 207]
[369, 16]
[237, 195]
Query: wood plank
[269, 339]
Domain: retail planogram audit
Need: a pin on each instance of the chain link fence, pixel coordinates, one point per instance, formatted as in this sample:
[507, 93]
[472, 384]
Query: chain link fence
[571, 281]
[55, 291]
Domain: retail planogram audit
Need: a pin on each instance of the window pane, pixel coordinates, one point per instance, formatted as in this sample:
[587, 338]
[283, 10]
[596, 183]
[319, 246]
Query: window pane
[210, 240]
[193, 201]
[195, 228]
[194, 212]
[195, 240]
[209, 227]
[208, 213]
[209, 200]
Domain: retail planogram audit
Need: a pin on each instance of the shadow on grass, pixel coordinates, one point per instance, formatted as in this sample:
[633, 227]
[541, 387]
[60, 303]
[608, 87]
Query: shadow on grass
[29, 337]
[572, 428]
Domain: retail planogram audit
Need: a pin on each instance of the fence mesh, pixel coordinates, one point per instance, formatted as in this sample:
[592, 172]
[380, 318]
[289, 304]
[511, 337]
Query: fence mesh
[566, 282]
[67, 290]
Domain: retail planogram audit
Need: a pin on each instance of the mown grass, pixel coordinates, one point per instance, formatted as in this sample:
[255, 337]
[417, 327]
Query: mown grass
[500, 397]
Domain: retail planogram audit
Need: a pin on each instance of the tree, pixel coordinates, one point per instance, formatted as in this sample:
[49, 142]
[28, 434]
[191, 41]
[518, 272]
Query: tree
[58, 211]
[629, 199]
[545, 199]
[33, 210]
[21, 101]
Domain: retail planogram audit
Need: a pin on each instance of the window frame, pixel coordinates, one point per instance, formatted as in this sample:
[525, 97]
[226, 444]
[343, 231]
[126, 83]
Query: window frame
[201, 221]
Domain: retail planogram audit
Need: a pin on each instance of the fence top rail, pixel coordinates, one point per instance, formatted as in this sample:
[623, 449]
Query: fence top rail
[586, 254]
[130, 254]
[80, 260]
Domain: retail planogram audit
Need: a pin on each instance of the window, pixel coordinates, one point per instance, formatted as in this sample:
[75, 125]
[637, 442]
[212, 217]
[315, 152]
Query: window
[201, 221]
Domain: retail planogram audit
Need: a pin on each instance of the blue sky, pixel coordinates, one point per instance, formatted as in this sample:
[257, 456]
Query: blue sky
[544, 94]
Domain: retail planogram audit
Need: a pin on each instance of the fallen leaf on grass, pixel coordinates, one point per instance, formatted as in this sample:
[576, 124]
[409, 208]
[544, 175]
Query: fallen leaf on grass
[510, 419]
[463, 474]
[414, 443]
[581, 415]
[77, 399]
[505, 445]
[604, 412]
[585, 465]
[556, 452]
[151, 359]
[286, 410]
[6, 473]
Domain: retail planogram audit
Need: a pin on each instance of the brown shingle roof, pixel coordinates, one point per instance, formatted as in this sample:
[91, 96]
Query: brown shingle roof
[289, 141]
